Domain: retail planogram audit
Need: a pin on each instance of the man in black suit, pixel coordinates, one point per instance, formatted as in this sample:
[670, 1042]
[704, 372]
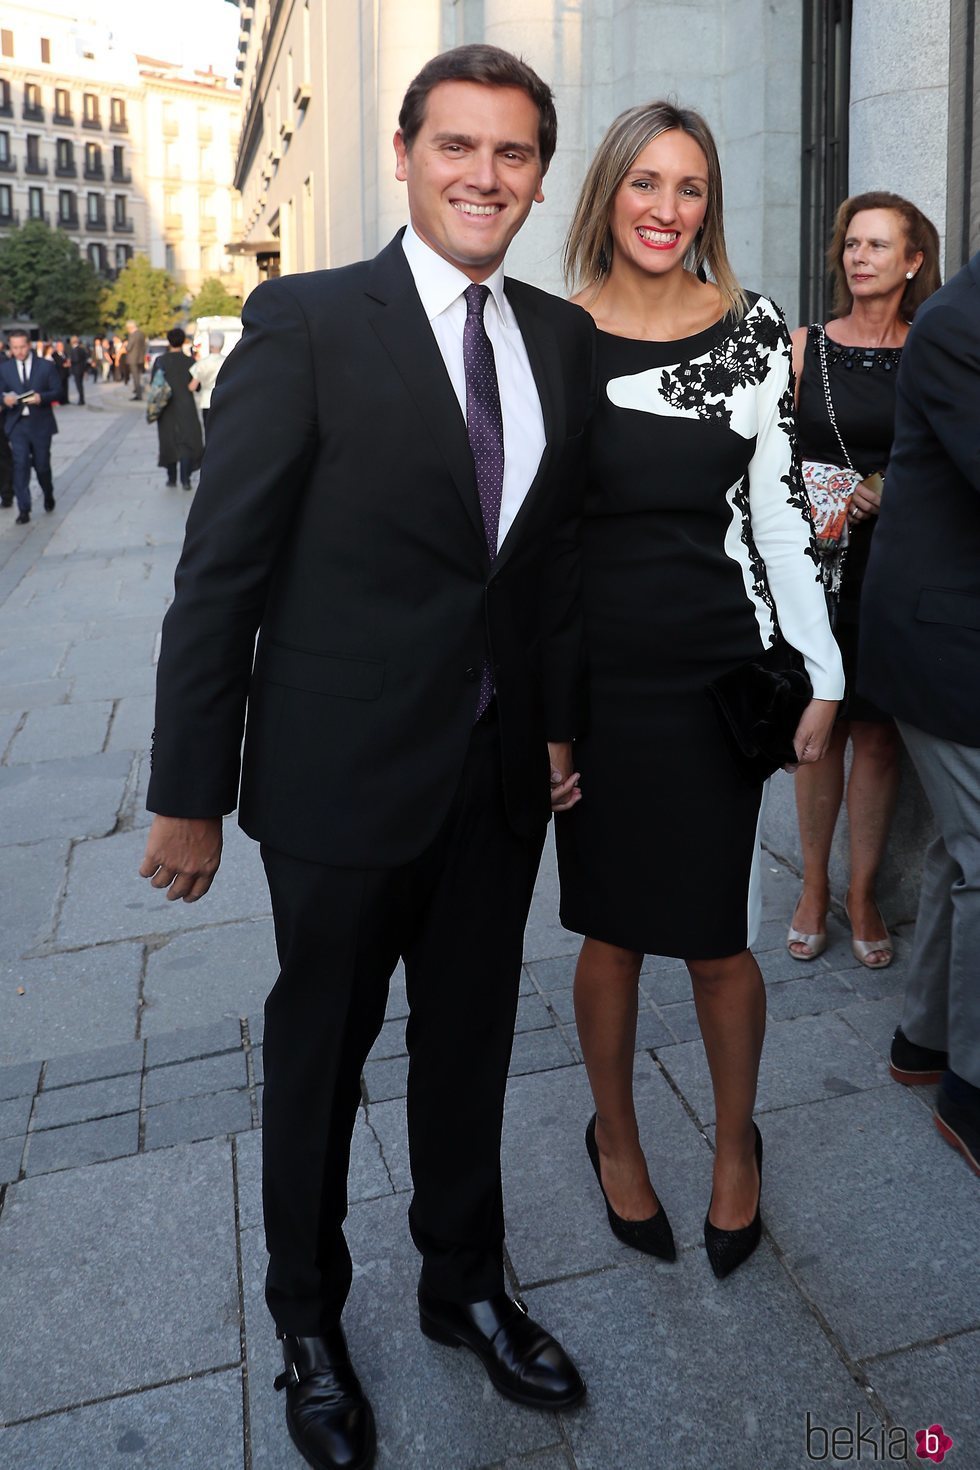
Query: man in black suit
[78, 362]
[391, 496]
[29, 386]
[920, 659]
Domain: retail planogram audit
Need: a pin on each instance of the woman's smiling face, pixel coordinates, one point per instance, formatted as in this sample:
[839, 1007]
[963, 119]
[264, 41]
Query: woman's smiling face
[661, 204]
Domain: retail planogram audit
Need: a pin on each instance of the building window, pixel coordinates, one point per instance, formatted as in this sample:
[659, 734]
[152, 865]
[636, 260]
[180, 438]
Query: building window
[119, 210]
[90, 111]
[35, 203]
[6, 110]
[65, 159]
[45, 50]
[826, 99]
[6, 43]
[6, 204]
[117, 119]
[34, 164]
[124, 254]
[95, 209]
[67, 208]
[62, 105]
[33, 108]
[93, 161]
[120, 173]
[170, 258]
[4, 150]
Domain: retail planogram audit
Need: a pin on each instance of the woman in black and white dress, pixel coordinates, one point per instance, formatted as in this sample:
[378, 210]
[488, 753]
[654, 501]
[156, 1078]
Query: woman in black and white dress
[697, 553]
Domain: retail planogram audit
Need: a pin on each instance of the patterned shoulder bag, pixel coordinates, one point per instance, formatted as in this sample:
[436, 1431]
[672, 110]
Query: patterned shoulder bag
[830, 487]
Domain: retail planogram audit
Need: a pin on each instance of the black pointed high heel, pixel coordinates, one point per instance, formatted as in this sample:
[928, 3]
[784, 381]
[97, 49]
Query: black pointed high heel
[653, 1236]
[729, 1248]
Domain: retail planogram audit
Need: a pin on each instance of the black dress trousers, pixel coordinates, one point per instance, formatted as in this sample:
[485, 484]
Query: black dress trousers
[456, 914]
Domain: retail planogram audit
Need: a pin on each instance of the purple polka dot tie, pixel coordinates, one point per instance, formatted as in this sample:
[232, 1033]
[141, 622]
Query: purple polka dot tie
[485, 429]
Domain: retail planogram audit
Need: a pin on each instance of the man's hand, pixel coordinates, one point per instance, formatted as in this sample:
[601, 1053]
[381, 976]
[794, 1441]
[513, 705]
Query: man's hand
[564, 781]
[182, 855]
[34, 400]
[814, 731]
[9, 399]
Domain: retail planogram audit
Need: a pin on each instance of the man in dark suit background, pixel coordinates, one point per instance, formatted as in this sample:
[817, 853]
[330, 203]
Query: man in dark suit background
[135, 356]
[78, 362]
[396, 510]
[920, 659]
[29, 385]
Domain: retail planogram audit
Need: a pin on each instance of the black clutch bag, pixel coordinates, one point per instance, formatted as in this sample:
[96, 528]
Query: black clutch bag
[759, 705]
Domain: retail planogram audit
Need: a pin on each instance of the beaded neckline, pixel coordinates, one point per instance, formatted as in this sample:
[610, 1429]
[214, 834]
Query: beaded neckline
[886, 358]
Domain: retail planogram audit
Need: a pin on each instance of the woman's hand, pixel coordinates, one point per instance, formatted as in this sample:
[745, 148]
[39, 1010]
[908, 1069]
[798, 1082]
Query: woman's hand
[866, 500]
[814, 731]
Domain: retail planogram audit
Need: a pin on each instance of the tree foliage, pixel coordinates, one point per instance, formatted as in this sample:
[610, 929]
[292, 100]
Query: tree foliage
[44, 278]
[214, 299]
[145, 294]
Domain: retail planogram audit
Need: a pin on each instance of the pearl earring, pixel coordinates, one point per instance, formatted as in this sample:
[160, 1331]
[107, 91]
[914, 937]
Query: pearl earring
[909, 275]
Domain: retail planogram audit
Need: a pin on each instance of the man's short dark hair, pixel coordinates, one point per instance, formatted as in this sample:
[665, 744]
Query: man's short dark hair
[491, 66]
[176, 336]
[18, 332]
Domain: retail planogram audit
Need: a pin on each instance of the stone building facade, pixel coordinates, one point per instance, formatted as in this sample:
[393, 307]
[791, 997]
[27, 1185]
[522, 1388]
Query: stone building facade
[125, 153]
[844, 94]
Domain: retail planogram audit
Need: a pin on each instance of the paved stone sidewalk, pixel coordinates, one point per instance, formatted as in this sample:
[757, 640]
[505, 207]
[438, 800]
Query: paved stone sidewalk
[131, 1254]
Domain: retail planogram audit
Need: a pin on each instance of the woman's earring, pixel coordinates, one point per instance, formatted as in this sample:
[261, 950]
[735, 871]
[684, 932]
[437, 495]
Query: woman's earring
[603, 262]
[910, 275]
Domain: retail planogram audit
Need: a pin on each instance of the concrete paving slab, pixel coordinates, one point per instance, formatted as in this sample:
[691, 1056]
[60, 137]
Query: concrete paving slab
[87, 1100]
[19, 1080]
[195, 1425]
[14, 1113]
[556, 1220]
[544, 937]
[86, 999]
[9, 721]
[189, 1043]
[681, 1020]
[272, 1448]
[368, 1177]
[935, 1384]
[804, 1060]
[107, 899]
[538, 1051]
[108, 1061]
[191, 1119]
[806, 995]
[533, 1014]
[61, 731]
[33, 877]
[132, 680]
[666, 983]
[132, 723]
[195, 1079]
[11, 1150]
[552, 974]
[248, 1166]
[79, 796]
[197, 977]
[117, 1238]
[83, 1143]
[385, 1079]
[34, 696]
[664, 1357]
[876, 1217]
[389, 1124]
[875, 1021]
[390, 1041]
[29, 662]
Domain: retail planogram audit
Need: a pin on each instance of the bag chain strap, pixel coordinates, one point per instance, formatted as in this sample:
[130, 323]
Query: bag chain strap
[822, 351]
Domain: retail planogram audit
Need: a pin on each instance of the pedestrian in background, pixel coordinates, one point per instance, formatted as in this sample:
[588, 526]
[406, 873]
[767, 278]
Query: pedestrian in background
[60, 359]
[30, 385]
[78, 362]
[205, 373]
[136, 357]
[884, 258]
[919, 658]
[178, 426]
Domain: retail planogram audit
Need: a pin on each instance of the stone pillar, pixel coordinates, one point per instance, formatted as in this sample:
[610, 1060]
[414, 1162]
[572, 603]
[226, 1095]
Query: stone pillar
[900, 101]
[407, 36]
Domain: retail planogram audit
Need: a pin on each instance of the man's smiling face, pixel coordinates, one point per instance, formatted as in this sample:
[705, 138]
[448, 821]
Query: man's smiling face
[473, 171]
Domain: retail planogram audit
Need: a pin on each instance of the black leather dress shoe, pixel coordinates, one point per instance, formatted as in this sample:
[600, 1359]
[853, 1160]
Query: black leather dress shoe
[329, 1420]
[523, 1362]
[23, 518]
[49, 502]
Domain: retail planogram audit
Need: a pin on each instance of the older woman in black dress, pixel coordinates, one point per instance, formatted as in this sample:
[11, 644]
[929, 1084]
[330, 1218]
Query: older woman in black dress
[885, 260]
[697, 553]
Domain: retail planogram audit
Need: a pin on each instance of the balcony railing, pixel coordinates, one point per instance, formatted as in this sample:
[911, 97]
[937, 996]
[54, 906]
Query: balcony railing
[68, 118]
[36, 166]
[8, 165]
[122, 175]
[95, 170]
[123, 226]
[68, 221]
[119, 125]
[41, 215]
[6, 109]
[93, 121]
[33, 112]
[99, 223]
[66, 170]
[9, 217]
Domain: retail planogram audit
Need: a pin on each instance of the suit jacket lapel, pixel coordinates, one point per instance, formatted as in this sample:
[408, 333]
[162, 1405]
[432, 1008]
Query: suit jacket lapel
[401, 324]
[545, 361]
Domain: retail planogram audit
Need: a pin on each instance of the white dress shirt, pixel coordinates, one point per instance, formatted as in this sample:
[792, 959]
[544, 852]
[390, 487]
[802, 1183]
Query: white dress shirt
[440, 286]
[25, 372]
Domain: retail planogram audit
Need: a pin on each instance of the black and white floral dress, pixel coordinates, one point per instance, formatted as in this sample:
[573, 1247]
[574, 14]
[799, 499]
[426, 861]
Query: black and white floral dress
[697, 551]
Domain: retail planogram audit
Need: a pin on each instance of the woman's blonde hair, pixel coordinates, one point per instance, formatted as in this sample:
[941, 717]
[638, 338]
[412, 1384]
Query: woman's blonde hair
[920, 234]
[588, 249]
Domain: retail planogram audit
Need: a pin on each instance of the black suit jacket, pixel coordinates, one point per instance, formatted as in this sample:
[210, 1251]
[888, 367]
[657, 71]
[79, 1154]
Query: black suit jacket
[338, 514]
[44, 379]
[920, 609]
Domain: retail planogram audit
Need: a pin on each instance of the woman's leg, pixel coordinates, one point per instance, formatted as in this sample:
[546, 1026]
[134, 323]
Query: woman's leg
[606, 986]
[871, 791]
[819, 791]
[730, 999]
